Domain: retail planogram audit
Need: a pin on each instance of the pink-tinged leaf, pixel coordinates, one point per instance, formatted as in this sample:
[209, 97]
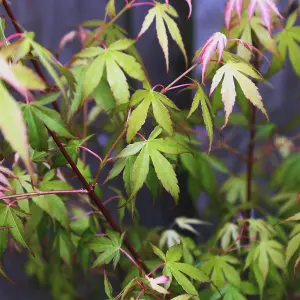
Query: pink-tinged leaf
[161, 279]
[251, 8]
[4, 181]
[297, 264]
[221, 46]
[154, 283]
[3, 189]
[7, 74]
[266, 7]
[230, 6]
[7, 172]
[217, 41]
[83, 34]
[189, 2]
[265, 13]
[67, 38]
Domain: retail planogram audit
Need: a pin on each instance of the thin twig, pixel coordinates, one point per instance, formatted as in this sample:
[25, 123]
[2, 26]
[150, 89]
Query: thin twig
[89, 187]
[105, 159]
[42, 193]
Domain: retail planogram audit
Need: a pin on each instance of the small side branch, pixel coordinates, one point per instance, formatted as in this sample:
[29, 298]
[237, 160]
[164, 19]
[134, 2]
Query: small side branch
[42, 193]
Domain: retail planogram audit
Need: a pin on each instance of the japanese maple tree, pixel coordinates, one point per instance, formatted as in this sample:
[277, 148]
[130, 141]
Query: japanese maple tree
[52, 112]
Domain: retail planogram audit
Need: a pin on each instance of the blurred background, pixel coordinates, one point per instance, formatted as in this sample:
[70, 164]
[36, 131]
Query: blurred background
[51, 19]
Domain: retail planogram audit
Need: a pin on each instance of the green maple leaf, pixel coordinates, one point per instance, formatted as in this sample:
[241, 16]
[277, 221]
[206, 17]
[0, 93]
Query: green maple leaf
[48, 61]
[110, 8]
[293, 244]
[235, 189]
[201, 98]
[63, 245]
[228, 292]
[116, 63]
[108, 247]
[146, 150]
[160, 105]
[266, 252]
[260, 229]
[286, 201]
[246, 29]
[161, 13]
[12, 218]
[229, 234]
[108, 288]
[109, 34]
[36, 115]
[288, 45]
[237, 71]
[180, 271]
[220, 269]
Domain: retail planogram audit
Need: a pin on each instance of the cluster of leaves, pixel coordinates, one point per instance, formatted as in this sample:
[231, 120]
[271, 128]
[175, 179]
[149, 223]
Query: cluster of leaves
[48, 128]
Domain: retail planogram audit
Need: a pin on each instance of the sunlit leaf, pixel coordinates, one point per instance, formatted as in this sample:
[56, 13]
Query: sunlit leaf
[12, 125]
[160, 12]
[231, 71]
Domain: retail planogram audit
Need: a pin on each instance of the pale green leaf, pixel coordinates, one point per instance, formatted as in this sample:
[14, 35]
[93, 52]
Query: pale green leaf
[207, 121]
[162, 37]
[148, 21]
[264, 36]
[117, 81]
[110, 10]
[169, 146]
[12, 125]
[165, 173]
[140, 171]
[174, 254]
[121, 44]
[175, 34]
[158, 252]
[162, 116]
[51, 119]
[27, 77]
[129, 64]
[131, 149]
[93, 76]
[54, 207]
[292, 247]
[138, 118]
[182, 297]
[184, 282]
[90, 52]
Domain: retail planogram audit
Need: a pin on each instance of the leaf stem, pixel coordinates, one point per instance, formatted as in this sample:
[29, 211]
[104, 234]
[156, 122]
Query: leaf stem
[42, 193]
[132, 260]
[180, 77]
[113, 20]
[97, 202]
[105, 159]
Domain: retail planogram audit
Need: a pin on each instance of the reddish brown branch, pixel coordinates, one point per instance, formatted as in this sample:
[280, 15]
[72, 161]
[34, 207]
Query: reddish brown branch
[250, 160]
[89, 187]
